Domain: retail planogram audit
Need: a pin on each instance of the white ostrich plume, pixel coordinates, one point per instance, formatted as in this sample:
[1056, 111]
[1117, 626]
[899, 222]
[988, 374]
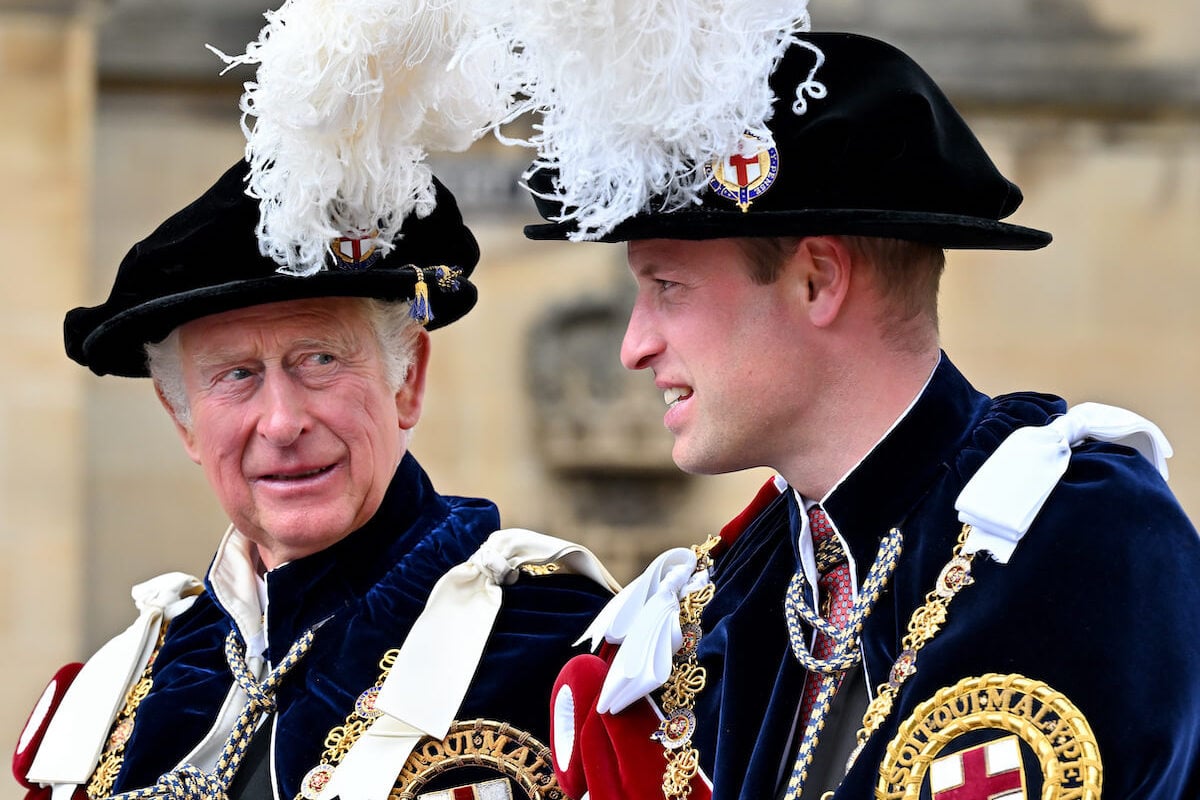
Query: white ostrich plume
[636, 95]
[350, 97]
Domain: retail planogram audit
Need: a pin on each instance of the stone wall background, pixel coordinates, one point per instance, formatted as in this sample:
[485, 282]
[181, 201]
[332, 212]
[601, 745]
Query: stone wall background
[116, 118]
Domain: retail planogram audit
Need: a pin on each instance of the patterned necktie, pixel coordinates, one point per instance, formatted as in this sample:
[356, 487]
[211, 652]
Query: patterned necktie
[837, 599]
[190, 783]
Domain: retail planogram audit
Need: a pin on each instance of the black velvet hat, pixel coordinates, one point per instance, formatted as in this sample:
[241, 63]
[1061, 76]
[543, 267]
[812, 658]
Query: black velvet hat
[205, 259]
[883, 153]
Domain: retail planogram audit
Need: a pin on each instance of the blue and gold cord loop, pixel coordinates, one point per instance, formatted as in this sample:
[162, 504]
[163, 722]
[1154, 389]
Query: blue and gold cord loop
[419, 308]
[846, 652]
[448, 280]
[926, 621]
[189, 782]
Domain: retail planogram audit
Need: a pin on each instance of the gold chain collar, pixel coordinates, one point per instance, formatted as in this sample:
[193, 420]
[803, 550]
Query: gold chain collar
[113, 756]
[688, 678]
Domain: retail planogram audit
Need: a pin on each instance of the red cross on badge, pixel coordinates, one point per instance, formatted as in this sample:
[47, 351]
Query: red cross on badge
[741, 167]
[742, 178]
[991, 771]
[353, 253]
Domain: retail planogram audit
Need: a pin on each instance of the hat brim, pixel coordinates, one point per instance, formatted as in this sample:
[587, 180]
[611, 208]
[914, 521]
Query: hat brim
[116, 345]
[950, 231]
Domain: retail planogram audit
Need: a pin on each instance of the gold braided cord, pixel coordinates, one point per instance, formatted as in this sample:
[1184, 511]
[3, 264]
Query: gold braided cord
[687, 679]
[926, 621]
[189, 782]
[113, 755]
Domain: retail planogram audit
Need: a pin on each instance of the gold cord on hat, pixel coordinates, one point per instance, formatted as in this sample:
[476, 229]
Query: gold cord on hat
[419, 309]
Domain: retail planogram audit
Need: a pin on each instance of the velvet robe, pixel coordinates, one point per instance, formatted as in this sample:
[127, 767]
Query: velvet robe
[1100, 601]
[368, 589]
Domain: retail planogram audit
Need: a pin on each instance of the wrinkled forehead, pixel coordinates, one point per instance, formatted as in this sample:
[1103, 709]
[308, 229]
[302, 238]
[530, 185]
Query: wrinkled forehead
[339, 322]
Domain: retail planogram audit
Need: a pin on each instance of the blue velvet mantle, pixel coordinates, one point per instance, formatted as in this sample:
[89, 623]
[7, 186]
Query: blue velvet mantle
[1101, 601]
[370, 587]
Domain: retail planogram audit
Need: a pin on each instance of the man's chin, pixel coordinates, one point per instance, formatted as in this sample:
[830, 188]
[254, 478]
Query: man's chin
[695, 465]
[290, 538]
[689, 460]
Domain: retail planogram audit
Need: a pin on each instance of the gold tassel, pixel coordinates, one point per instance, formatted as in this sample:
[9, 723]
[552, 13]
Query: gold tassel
[419, 308]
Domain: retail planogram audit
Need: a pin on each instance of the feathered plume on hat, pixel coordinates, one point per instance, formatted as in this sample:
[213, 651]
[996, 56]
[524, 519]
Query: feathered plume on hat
[349, 99]
[637, 95]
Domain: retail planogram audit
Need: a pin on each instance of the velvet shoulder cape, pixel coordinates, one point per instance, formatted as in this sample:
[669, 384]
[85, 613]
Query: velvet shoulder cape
[366, 591]
[1099, 602]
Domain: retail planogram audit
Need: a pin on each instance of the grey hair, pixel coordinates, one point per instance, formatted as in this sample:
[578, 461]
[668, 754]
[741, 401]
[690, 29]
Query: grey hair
[165, 362]
[395, 331]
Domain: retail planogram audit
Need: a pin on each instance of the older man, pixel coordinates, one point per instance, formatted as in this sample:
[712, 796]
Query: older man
[957, 596]
[334, 648]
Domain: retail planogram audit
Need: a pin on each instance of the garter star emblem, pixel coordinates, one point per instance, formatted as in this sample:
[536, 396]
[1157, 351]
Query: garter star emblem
[488, 790]
[479, 760]
[745, 175]
[994, 737]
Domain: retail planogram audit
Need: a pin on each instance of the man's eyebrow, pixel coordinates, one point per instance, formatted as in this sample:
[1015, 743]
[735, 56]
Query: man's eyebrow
[226, 355]
[647, 267]
[337, 343]
[219, 357]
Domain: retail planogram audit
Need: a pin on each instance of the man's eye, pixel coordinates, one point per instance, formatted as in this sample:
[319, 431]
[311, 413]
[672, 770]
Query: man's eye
[237, 374]
[321, 359]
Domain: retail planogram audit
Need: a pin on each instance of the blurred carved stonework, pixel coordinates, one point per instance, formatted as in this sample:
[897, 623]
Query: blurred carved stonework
[47, 7]
[163, 41]
[598, 429]
[1020, 52]
[593, 416]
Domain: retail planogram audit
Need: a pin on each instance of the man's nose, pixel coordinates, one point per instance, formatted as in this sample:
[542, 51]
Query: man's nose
[284, 414]
[641, 343]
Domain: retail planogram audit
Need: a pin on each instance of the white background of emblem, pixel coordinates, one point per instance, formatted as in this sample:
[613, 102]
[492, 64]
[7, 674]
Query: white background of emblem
[754, 171]
[488, 790]
[1001, 755]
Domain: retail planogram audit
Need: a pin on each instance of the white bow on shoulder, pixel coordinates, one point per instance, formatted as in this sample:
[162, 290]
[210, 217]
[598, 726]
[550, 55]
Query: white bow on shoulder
[1002, 499]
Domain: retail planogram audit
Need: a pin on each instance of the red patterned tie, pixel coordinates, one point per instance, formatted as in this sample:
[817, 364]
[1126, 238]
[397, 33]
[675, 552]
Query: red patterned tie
[834, 649]
[835, 593]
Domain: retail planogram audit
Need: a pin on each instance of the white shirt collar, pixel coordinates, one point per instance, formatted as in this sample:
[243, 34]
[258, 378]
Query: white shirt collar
[808, 558]
[240, 589]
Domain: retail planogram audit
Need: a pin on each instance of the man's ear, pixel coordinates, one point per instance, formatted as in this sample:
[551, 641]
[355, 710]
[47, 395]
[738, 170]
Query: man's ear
[825, 265]
[411, 394]
[185, 433]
